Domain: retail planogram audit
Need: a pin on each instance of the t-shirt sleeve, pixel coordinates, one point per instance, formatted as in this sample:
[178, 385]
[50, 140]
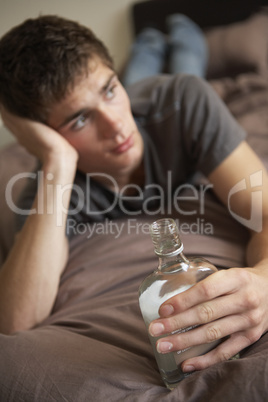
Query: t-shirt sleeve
[210, 132]
[190, 126]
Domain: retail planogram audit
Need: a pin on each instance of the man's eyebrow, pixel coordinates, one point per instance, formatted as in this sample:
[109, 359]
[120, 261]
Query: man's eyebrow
[108, 83]
[82, 111]
[72, 117]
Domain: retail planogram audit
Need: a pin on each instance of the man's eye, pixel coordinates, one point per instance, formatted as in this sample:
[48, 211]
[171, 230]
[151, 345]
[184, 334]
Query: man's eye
[80, 122]
[110, 93]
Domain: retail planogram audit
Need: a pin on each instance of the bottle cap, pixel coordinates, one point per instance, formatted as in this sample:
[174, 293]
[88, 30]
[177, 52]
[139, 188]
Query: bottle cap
[165, 237]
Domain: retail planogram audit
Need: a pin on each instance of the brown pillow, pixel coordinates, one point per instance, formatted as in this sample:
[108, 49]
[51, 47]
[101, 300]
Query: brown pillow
[239, 47]
[14, 159]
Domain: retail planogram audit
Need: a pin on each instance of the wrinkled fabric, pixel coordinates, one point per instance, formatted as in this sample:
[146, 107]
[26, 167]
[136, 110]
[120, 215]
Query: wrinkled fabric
[94, 345]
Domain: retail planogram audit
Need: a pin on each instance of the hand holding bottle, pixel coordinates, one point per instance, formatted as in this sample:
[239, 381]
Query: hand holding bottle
[175, 274]
[230, 303]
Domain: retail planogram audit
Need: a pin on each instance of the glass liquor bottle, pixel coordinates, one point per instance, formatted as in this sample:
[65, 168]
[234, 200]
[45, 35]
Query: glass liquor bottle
[175, 274]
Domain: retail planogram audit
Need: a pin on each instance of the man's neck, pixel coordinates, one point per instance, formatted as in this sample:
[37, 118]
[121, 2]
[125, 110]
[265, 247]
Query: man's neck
[131, 182]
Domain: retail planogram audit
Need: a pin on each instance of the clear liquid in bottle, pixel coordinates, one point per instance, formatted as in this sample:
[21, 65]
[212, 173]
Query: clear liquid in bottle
[175, 274]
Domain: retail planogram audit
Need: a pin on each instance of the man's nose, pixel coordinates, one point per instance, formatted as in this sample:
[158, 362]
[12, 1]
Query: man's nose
[110, 122]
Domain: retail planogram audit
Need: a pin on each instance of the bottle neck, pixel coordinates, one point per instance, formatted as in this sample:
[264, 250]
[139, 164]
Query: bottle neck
[173, 260]
[167, 245]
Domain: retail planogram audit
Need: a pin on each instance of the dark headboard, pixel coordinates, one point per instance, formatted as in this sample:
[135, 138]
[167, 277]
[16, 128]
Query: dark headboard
[205, 13]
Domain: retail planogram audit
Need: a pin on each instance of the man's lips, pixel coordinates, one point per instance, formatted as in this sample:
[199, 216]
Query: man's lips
[125, 145]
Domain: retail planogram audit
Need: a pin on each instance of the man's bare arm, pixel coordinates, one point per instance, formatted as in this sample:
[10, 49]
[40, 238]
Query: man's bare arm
[30, 276]
[230, 303]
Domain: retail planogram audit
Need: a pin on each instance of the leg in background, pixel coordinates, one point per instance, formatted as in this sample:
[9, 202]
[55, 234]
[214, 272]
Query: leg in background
[187, 46]
[147, 57]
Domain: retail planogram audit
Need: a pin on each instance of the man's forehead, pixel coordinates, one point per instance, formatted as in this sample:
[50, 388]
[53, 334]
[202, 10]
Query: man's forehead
[82, 95]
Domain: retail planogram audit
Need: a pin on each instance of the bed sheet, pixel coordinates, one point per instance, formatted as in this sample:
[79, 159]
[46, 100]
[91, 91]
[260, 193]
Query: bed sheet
[94, 345]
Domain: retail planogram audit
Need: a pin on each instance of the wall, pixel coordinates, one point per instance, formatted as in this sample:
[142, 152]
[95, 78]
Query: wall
[109, 19]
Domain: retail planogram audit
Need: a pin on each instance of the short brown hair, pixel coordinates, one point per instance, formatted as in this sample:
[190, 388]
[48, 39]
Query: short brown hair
[41, 59]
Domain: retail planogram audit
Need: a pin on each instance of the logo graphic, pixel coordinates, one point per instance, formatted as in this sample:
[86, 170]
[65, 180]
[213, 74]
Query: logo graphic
[255, 220]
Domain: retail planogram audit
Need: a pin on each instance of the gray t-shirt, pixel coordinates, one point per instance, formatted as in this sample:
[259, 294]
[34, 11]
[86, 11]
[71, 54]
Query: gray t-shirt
[186, 128]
